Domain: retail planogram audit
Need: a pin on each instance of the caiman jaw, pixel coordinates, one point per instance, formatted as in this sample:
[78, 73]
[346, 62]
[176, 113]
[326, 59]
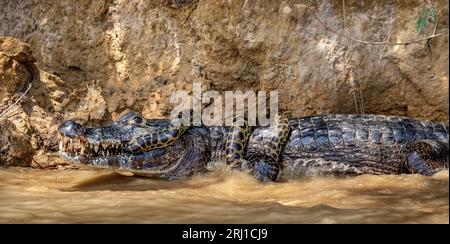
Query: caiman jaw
[74, 140]
[80, 146]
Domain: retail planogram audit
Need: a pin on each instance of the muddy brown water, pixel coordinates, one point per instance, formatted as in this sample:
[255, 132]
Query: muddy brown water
[101, 196]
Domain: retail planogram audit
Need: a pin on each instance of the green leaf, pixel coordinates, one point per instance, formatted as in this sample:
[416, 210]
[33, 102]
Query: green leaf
[433, 16]
[421, 23]
[418, 26]
[427, 15]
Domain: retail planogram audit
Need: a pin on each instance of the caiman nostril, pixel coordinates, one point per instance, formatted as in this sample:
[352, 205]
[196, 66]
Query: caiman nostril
[71, 129]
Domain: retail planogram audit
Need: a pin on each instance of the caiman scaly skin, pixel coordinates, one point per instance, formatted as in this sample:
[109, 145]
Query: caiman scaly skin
[315, 145]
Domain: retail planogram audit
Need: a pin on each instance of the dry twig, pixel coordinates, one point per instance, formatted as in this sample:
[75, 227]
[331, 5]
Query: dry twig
[14, 105]
[375, 43]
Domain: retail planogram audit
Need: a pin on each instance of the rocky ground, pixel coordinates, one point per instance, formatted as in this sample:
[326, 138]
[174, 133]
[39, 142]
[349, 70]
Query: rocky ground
[33, 103]
[94, 60]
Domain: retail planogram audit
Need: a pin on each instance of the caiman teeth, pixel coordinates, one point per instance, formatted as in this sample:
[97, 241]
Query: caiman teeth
[81, 147]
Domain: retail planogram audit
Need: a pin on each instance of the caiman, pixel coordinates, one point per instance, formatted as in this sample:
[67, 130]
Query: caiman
[290, 148]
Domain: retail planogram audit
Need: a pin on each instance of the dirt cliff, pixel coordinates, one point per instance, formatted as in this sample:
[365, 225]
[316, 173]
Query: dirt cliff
[94, 60]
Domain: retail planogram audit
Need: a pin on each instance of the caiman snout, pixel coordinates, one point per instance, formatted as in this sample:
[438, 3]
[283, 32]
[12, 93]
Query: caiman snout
[71, 129]
[78, 140]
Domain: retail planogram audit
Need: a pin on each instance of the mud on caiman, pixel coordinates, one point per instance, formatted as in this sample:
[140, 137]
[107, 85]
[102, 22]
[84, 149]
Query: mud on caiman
[315, 145]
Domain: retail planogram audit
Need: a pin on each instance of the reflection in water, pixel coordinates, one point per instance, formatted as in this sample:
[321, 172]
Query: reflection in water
[93, 196]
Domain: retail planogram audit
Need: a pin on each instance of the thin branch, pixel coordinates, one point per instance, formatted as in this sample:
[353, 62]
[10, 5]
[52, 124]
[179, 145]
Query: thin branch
[14, 105]
[17, 101]
[39, 166]
[429, 41]
[362, 98]
[343, 14]
[356, 100]
[376, 43]
[435, 25]
[359, 110]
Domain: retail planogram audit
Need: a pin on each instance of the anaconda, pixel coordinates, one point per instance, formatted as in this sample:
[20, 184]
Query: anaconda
[314, 145]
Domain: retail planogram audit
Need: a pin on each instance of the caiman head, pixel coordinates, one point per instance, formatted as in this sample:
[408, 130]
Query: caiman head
[114, 146]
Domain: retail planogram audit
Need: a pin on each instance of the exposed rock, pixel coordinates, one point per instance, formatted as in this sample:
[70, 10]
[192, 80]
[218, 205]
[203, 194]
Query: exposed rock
[90, 107]
[15, 147]
[141, 48]
[30, 115]
[16, 66]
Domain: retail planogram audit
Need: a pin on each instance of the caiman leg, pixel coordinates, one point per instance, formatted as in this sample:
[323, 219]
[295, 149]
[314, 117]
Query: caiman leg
[426, 157]
[263, 166]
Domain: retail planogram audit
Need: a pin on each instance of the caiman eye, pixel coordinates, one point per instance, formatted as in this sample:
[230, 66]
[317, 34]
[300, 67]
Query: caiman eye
[137, 120]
